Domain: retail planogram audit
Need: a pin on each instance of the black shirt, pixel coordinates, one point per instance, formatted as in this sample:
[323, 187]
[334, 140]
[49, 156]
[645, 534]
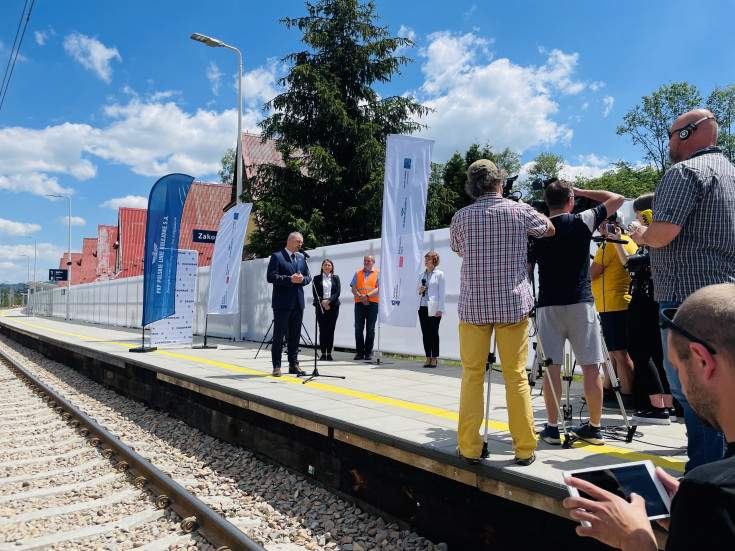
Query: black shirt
[703, 510]
[564, 258]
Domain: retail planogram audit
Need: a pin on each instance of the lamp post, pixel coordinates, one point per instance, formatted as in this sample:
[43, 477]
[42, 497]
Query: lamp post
[214, 43]
[68, 256]
[28, 276]
[35, 249]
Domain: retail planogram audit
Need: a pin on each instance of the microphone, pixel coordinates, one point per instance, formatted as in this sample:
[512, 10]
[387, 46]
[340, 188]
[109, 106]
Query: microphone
[302, 251]
[646, 216]
[423, 283]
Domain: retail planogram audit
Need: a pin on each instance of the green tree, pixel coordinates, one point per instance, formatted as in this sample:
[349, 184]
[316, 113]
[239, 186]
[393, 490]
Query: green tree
[331, 128]
[455, 173]
[624, 179]
[722, 104]
[648, 124]
[441, 200]
[227, 170]
[543, 167]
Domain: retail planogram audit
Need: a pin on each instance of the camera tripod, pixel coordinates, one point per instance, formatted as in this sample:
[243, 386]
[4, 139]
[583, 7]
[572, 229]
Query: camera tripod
[564, 410]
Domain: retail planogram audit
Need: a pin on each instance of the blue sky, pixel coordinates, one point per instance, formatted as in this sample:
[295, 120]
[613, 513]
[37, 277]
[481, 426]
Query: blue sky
[106, 97]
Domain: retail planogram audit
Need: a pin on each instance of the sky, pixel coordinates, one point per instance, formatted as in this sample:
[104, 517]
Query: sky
[107, 97]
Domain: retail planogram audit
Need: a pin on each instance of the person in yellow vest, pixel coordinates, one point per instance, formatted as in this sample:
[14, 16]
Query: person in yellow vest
[365, 285]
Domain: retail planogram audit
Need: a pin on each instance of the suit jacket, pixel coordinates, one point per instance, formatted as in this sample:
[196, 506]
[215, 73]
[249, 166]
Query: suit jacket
[318, 290]
[280, 269]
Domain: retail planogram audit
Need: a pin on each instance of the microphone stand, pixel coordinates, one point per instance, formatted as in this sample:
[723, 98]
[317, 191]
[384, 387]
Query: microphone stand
[316, 373]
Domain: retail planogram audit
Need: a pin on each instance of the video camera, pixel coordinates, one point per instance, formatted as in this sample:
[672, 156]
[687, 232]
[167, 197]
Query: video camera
[580, 203]
[507, 186]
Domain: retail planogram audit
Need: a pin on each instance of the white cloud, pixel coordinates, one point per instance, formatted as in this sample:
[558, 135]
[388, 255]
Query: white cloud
[597, 85]
[132, 201]
[92, 54]
[608, 101]
[259, 85]
[11, 228]
[41, 37]
[214, 75]
[470, 11]
[480, 99]
[34, 183]
[75, 221]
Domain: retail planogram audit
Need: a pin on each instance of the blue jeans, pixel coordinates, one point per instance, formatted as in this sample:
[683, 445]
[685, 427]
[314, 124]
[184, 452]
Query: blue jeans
[704, 444]
[365, 318]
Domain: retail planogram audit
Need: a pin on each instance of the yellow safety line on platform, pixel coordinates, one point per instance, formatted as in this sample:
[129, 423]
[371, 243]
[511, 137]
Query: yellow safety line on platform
[628, 455]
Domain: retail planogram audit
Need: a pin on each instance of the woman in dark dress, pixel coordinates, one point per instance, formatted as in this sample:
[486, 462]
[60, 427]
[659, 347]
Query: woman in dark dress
[326, 291]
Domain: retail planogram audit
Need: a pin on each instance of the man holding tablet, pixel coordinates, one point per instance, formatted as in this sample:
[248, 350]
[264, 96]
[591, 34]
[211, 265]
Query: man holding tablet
[701, 345]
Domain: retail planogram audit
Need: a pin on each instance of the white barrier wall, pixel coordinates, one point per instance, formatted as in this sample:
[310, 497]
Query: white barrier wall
[119, 302]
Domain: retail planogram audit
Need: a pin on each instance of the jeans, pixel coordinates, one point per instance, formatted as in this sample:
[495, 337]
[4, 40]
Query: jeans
[365, 318]
[704, 444]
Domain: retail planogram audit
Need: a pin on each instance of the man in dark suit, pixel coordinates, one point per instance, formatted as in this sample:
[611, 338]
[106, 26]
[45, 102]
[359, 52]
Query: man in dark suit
[286, 271]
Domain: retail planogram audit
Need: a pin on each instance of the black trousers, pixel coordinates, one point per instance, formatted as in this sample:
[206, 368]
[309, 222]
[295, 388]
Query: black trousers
[286, 321]
[327, 322]
[645, 348]
[430, 332]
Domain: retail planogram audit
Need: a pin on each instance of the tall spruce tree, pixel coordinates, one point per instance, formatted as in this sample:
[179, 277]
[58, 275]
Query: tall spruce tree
[331, 128]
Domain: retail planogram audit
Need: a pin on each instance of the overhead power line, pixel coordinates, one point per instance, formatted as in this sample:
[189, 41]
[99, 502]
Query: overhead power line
[15, 50]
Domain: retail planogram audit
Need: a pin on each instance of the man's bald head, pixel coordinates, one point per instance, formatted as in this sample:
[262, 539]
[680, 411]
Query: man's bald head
[691, 131]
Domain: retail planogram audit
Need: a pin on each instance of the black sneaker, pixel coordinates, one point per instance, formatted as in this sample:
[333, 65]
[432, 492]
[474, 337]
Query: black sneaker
[323, 357]
[358, 357]
[588, 433]
[672, 415]
[550, 435]
[525, 462]
[368, 356]
[329, 358]
[653, 416]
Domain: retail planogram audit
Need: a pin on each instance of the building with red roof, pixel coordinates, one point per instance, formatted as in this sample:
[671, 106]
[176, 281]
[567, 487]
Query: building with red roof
[88, 267]
[106, 252]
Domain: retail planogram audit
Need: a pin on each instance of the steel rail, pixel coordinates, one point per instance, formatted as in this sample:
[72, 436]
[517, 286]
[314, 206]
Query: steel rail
[196, 514]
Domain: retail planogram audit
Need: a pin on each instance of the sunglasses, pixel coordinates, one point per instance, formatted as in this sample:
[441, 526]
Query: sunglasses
[665, 320]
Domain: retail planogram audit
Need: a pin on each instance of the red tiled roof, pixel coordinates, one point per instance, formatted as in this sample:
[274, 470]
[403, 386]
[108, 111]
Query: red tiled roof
[131, 232]
[76, 272]
[106, 238]
[89, 260]
[202, 211]
[255, 152]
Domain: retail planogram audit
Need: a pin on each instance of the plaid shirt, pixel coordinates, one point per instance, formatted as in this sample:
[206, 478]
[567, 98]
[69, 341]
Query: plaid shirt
[491, 235]
[697, 194]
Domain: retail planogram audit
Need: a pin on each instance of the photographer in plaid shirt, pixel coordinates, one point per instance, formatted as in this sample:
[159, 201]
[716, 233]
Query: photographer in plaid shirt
[491, 236]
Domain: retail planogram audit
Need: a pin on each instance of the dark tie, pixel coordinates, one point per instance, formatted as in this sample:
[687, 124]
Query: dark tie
[293, 260]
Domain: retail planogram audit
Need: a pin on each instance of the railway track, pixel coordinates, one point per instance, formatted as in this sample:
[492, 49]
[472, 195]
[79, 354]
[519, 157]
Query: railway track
[68, 483]
[276, 509]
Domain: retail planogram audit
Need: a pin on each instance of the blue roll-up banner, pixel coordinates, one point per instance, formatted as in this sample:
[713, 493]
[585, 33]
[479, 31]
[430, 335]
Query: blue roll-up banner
[165, 205]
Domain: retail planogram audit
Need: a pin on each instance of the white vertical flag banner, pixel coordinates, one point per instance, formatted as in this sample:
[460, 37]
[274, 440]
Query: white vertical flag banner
[178, 328]
[224, 277]
[406, 184]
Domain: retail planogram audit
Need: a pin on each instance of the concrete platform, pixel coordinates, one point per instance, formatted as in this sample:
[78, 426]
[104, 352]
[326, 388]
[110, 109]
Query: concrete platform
[395, 413]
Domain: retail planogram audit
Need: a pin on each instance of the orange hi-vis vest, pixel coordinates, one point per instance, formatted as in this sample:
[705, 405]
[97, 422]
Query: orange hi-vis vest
[364, 286]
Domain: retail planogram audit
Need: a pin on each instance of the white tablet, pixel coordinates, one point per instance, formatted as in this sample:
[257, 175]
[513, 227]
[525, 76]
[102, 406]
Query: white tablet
[622, 479]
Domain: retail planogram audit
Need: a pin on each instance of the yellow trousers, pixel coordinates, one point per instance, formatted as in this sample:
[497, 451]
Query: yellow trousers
[474, 345]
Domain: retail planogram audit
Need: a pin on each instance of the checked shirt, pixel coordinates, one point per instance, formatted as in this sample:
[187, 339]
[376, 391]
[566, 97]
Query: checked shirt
[697, 194]
[491, 235]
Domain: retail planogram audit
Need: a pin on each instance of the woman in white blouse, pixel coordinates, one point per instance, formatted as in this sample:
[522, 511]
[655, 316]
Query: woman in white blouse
[326, 291]
[431, 306]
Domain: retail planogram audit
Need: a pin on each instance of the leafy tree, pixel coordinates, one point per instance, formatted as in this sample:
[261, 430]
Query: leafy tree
[544, 166]
[441, 200]
[331, 129]
[648, 123]
[455, 174]
[227, 170]
[624, 179]
[722, 104]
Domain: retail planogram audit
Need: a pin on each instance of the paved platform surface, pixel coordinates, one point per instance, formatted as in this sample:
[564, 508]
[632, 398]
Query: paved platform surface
[395, 397]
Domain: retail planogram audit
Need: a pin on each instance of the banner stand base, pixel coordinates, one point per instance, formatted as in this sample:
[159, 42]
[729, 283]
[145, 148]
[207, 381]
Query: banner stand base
[203, 346]
[144, 349]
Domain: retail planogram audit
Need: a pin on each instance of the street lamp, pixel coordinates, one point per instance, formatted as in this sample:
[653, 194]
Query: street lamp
[214, 43]
[28, 277]
[35, 249]
[68, 256]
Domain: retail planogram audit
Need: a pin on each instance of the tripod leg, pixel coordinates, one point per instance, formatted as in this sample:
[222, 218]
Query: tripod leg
[630, 429]
[489, 368]
[265, 338]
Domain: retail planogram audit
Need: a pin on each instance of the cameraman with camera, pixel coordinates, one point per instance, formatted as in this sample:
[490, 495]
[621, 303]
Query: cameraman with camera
[566, 308]
[644, 342]
[491, 236]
